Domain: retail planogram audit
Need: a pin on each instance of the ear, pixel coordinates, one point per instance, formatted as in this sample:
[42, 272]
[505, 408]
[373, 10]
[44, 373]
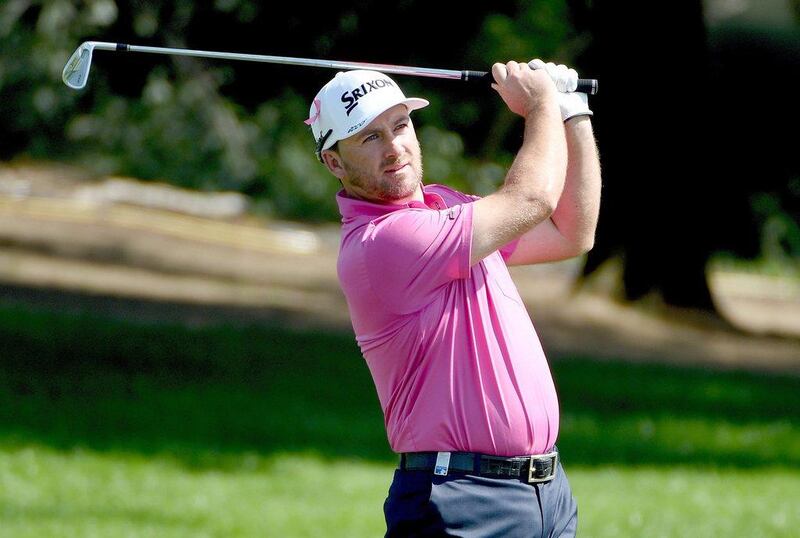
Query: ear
[333, 162]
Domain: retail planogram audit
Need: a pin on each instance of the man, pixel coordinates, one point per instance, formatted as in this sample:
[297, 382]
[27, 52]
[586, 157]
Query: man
[467, 395]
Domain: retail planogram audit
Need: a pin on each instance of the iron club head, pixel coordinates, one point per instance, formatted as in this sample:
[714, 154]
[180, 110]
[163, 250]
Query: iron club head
[76, 71]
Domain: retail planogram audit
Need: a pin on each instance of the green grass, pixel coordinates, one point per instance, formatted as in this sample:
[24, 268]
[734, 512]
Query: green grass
[82, 493]
[111, 428]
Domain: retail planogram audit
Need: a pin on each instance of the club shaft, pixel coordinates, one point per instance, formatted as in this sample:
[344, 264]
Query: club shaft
[584, 85]
[331, 64]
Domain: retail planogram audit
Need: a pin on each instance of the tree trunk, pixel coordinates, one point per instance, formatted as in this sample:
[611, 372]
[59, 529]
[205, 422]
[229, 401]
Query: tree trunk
[659, 210]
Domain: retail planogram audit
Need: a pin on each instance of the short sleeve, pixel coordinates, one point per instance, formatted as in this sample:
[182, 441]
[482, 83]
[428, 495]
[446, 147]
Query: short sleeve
[411, 254]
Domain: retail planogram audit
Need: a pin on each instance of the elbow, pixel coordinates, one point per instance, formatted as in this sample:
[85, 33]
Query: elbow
[584, 244]
[576, 248]
[539, 209]
[542, 205]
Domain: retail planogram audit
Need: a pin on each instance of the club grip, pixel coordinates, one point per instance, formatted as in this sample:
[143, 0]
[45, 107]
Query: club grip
[585, 85]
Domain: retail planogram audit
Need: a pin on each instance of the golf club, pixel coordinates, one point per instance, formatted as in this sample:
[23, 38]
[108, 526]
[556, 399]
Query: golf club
[76, 71]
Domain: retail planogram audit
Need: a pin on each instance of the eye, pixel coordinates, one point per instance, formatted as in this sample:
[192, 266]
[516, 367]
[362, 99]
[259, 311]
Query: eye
[371, 137]
[401, 126]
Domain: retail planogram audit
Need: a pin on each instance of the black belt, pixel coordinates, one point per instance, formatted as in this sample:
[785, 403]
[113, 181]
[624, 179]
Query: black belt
[531, 469]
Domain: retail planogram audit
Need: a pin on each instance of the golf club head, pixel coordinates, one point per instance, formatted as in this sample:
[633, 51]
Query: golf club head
[76, 71]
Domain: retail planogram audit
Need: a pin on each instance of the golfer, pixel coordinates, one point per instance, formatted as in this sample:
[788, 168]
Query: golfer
[466, 391]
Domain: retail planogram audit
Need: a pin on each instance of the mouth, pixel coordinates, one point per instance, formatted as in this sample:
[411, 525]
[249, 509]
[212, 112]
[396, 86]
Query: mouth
[395, 169]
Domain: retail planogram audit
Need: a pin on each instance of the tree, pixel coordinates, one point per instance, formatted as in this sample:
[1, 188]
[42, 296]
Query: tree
[682, 143]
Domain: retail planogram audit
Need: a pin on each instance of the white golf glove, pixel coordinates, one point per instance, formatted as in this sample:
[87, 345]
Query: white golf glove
[570, 102]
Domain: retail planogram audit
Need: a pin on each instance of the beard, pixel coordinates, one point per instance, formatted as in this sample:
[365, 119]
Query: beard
[383, 188]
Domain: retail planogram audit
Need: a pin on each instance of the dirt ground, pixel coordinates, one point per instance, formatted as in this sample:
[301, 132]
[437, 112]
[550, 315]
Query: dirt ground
[61, 249]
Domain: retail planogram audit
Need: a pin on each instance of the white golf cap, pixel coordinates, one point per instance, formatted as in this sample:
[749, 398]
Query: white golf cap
[349, 102]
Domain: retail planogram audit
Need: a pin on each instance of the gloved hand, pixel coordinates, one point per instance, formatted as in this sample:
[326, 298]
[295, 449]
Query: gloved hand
[570, 102]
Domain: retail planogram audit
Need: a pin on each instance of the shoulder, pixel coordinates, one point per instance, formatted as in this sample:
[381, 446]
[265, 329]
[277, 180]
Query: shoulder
[397, 225]
[450, 195]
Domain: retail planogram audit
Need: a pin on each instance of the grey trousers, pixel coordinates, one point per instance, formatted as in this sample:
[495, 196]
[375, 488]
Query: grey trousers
[423, 504]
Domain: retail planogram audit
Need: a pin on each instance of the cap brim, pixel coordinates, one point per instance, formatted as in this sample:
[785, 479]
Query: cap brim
[415, 103]
[412, 103]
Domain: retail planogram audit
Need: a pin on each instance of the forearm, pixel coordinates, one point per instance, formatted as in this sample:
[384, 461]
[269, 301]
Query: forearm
[579, 205]
[538, 171]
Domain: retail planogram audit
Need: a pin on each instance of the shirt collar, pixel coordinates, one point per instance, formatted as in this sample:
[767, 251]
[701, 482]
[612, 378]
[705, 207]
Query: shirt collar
[353, 207]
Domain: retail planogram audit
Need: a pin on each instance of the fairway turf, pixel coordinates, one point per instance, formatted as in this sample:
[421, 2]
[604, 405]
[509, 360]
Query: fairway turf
[84, 493]
[111, 428]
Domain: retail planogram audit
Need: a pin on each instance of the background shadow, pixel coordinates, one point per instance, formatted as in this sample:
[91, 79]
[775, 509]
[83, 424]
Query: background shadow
[208, 395]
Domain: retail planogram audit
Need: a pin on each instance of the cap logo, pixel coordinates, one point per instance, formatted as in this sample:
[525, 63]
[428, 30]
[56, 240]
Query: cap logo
[356, 126]
[350, 98]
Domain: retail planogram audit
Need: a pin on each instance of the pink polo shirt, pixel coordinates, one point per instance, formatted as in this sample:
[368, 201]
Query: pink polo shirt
[456, 361]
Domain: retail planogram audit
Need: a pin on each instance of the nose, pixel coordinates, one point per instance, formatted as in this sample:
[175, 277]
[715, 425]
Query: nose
[394, 146]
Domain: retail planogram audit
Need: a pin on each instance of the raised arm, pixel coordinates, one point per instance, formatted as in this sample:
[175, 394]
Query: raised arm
[535, 181]
[570, 230]
[577, 211]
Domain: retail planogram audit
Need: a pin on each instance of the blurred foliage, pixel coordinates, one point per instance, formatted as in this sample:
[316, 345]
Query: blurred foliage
[215, 125]
[236, 126]
[780, 231]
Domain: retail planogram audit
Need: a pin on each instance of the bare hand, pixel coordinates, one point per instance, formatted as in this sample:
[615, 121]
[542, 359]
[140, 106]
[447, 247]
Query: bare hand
[522, 88]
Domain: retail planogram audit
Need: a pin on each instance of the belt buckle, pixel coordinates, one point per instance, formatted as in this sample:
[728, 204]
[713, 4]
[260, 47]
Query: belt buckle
[553, 455]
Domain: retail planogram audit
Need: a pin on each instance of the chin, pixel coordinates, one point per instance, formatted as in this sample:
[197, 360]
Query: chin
[401, 194]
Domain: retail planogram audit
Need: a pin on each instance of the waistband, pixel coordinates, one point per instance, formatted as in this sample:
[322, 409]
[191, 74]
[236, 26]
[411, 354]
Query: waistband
[531, 469]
